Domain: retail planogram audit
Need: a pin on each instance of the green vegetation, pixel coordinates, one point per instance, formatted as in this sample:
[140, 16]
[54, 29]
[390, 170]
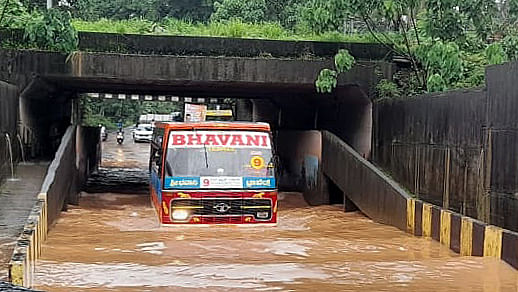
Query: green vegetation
[231, 28]
[448, 42]
[48, 30]
[96, 111]
[326, 80]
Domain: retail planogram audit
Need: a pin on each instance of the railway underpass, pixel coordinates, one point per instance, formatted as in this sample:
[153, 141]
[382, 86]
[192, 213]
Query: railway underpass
[112, 242]
[108, 238]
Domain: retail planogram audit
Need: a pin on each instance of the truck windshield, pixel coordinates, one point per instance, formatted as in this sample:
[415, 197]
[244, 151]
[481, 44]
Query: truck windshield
[219, 159]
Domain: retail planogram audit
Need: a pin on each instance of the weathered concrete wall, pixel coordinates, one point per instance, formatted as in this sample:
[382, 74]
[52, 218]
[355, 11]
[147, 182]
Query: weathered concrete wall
[8, 125]
[257, 75]
[222, 46]
[434, 146]
[375, 194]
[178, 75]
[75, 159]
[61, 176]
[214, 46]
[502, 133]
[349, 116]
[88, 155]
[300, 162]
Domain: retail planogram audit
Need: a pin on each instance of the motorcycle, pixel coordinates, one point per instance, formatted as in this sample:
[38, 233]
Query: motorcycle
[120, 137]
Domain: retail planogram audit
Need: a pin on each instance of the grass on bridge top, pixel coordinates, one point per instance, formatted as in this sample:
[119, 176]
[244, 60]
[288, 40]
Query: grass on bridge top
[234, 29]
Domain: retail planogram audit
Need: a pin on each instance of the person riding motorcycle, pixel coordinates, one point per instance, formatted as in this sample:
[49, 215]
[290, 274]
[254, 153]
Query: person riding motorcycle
[120, 136]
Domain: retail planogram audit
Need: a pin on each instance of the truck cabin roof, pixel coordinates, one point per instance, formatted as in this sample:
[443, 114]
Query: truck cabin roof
[244, 126]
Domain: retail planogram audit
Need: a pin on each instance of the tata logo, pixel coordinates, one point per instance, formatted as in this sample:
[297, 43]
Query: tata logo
[222, 207]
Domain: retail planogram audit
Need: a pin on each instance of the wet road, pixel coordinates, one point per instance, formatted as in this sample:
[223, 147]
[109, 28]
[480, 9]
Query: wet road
[112, 242]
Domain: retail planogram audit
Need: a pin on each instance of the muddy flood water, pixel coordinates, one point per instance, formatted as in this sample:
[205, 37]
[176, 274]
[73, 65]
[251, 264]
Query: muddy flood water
[112, 242]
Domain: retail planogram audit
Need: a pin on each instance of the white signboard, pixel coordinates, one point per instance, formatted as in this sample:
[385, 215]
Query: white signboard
[231, 139]
[195, 112]
[221, 182]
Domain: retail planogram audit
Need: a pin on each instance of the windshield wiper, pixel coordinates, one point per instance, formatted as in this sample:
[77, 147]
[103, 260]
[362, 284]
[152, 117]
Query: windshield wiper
[206, 155]
[205, 150]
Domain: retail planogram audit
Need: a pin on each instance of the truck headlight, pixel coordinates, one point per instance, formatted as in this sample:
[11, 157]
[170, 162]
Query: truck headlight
[180, 215]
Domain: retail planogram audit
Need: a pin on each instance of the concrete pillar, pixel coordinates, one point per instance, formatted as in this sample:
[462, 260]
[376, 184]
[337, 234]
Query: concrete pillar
[265, 111]
[244, 110]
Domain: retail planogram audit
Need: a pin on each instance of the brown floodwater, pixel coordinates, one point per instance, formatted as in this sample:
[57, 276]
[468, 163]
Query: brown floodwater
[112, 242]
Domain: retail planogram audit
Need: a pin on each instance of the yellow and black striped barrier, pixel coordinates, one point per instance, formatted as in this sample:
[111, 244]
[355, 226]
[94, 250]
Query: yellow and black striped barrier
[28, 245]
[462, 234]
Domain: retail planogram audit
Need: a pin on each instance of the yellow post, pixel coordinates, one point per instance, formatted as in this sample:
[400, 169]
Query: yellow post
[445, 227]
[43, 196]
[466, 236]
[410, 215]
[16, 273]
[427, 220]
[492, 241]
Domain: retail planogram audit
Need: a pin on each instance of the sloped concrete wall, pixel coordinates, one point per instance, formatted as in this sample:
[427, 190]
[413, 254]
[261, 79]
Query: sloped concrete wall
[375, 194]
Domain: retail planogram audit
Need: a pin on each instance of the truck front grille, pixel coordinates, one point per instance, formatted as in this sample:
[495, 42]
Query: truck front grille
[261, 209]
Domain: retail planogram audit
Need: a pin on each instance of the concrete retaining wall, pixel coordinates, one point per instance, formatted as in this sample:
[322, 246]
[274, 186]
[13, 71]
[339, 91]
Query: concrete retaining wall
[381, 199]
[8, 125]
[457, 149]
[434, 146]
[222, 46]
[502, 133]
[61, 185]
[213, 46]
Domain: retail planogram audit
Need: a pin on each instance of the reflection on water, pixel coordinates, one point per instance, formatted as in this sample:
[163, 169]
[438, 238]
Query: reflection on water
[112, 241]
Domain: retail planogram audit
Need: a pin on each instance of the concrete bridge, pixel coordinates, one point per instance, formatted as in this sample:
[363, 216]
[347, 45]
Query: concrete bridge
[325, 140]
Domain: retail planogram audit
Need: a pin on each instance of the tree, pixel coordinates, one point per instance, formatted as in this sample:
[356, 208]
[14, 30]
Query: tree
[327, 79]
[48, 29]
[323, 15]
[13, 14]
[51, 30]
[439, 37]
[253, 11]
[155, 10]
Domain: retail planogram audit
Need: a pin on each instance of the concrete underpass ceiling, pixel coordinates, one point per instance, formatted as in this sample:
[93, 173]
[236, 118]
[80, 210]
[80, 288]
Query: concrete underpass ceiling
[280, 94]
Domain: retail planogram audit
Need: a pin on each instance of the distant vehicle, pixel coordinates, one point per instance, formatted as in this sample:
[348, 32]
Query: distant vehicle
[143, 132]
[150, 118]
[120, 137]
[219, 115]
[104, 134]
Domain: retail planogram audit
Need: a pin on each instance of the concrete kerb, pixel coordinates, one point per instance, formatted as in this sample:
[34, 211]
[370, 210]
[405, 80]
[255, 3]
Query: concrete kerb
[465, 235]
[28, 246]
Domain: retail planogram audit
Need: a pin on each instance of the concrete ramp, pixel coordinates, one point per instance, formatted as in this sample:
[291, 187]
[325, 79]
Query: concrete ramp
[373, 192]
